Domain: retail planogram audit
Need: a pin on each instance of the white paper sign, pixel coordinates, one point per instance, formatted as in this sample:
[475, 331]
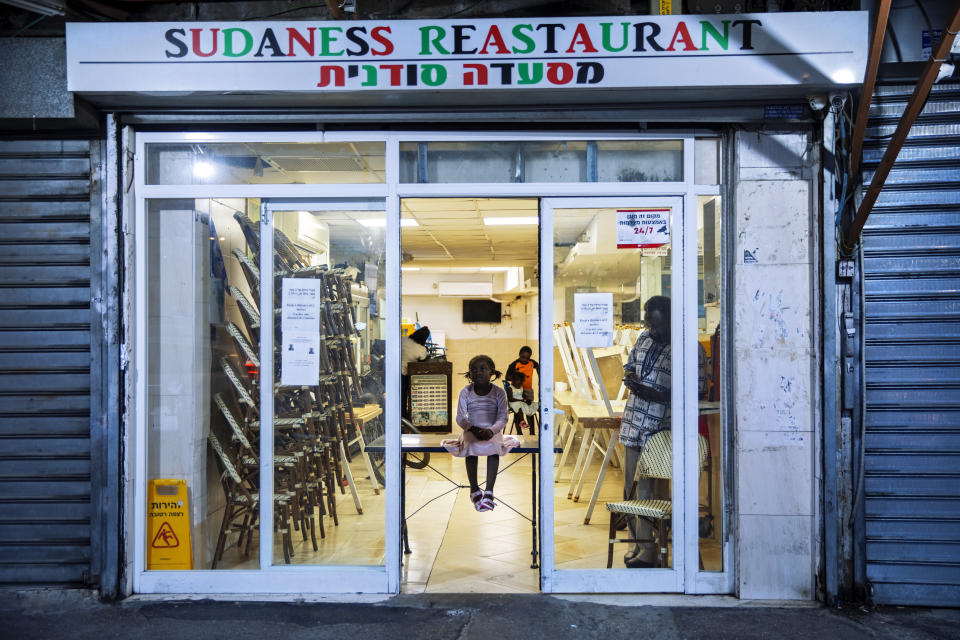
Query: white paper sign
[300, 359]
[643, 228]
[593, 319]
[300, 332]
[301, 305]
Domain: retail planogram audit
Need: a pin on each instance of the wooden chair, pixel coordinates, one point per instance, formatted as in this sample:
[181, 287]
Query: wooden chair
[656, 461]
[242, 504]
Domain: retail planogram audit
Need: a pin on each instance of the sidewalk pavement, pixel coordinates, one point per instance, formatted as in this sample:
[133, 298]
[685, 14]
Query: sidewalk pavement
[73, 614]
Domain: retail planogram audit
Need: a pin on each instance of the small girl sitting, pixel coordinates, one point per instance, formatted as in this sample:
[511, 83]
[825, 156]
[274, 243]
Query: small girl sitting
[482, 414]
[519, 404]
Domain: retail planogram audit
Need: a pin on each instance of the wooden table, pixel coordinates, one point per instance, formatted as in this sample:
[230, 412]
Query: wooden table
[430, 443]
[593, 418]
[361, 416]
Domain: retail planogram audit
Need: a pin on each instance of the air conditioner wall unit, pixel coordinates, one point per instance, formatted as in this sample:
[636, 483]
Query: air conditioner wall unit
[308, 233]
[465, 289]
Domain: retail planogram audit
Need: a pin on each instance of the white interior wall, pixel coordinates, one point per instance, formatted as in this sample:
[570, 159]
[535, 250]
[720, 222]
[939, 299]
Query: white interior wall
[501, 342]
[775, 365]
[179, 377]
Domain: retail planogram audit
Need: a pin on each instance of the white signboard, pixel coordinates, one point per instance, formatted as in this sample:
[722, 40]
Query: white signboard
[744, 50]
[300, 332]
[593, 319]
[643, 228]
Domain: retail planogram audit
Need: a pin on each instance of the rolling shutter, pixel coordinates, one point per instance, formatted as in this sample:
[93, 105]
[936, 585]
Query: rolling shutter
[45, 362]
[912, 359]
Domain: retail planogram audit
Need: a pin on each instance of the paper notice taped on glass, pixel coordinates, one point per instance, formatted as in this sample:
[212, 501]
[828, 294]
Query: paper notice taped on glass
[300, 332]
[593, 319]
[301, 305]
[643, 228]
[300, 359]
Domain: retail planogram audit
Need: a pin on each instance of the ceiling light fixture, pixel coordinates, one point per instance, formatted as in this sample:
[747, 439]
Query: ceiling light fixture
[382, 222]
[491, 222]
[202, 169]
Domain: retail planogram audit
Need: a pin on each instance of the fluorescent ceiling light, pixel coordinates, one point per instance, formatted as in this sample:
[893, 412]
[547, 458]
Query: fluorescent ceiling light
[495, 268]
[382, 222]
[490, 222]
[202, 169]
[409, 268]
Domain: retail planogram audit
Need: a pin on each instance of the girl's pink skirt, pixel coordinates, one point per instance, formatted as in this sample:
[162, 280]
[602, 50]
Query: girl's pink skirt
[468, 445]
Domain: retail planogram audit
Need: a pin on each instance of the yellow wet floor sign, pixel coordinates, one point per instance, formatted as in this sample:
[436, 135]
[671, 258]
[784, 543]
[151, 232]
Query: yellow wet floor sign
[168, 526]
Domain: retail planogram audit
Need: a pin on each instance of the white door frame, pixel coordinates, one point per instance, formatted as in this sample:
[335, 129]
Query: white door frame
[683, 265]
[311, 579]
[345, 577]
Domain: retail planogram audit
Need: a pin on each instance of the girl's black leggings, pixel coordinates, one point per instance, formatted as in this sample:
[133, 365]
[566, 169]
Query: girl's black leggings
[493, 465]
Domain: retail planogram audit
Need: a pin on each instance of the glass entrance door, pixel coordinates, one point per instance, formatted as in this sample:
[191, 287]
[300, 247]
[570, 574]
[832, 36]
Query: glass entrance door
[322, 385]
[615, 277]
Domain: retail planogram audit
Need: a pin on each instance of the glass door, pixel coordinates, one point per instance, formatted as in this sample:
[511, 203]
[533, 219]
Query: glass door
[322, 390]
[614, 282]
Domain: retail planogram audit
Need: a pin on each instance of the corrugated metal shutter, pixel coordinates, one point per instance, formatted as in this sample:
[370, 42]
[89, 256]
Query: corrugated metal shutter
[912, 358]
[45, 361]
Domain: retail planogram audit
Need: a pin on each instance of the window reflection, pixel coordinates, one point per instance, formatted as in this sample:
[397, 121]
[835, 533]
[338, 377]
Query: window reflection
[266, 163]
[710, 424]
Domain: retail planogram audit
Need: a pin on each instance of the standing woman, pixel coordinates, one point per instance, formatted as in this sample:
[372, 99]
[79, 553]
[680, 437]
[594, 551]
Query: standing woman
[412, 349]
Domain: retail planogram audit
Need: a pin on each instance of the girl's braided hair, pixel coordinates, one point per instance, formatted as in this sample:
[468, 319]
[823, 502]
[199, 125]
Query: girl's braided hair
[481, 358]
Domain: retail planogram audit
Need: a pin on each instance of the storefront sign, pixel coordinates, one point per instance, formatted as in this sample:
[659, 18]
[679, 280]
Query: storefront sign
[770, 49]
[300, 332]
[643, 228]
[593, 319]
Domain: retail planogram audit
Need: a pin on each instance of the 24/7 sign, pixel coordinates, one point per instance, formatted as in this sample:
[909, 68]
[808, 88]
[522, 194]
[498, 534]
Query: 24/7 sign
[643, 228]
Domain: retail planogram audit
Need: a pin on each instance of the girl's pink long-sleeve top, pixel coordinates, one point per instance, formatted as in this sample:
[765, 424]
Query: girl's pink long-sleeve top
[487, 412]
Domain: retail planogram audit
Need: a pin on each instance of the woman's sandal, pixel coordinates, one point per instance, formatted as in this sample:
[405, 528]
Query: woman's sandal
[476, 497]
[486, 502]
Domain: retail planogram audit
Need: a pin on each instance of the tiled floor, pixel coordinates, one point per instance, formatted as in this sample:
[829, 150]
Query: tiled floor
[454, 548]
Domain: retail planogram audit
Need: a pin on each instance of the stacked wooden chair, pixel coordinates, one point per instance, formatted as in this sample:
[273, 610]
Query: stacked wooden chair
[311, 424]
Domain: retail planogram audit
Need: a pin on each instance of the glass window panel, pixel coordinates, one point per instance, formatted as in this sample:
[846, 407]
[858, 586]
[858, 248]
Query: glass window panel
[542, 161]
[640, 161]
[706, 160]
[203, 382]
[328, 376]
[266, 163]
[711, 524]
[588, 261]
[450, 162]
[202, 377]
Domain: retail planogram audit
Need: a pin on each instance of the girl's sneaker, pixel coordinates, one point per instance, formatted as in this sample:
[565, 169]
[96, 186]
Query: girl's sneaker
[476, 498]
[486, 502]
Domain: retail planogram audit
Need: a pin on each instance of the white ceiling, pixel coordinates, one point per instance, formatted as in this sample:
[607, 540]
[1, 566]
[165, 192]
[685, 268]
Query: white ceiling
[451, 232]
